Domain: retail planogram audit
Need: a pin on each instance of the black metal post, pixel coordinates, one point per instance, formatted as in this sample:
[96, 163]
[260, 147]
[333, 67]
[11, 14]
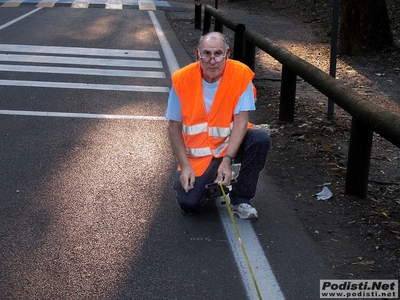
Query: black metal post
[218, 26]
[288, 95]
[239, 42]
[197, 15]
[334, 42]
[359, 159]
[207, 22]
[249, 55]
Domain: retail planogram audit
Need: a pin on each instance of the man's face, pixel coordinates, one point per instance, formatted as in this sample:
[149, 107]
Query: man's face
[212, 47]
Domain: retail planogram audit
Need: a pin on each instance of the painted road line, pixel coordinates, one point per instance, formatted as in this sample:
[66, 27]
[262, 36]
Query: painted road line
[79, 51]
[130, 2]
[11, 4]
[100, 2]
[85, 86]
[81, 61]
[82, 71]
[161, 3]
[266, 281]
[146, 5]
[113, 4]
[79, 115]
[20, 18]
[80, 4]
[168, 52]
[46, 3]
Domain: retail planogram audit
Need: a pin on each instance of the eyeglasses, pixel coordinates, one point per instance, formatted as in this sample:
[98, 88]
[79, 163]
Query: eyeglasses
[218, 57]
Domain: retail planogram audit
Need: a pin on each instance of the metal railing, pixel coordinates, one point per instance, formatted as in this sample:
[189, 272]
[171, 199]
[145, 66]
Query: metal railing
[366, 116]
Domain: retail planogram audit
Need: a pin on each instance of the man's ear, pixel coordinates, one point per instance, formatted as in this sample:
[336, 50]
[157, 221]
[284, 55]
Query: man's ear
[196, 53]
[228, 52]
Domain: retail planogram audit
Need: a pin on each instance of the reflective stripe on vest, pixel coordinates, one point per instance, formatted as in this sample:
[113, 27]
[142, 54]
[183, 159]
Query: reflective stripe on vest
[199, 151]
[216, 132]
[195, 129]
[220, 132]
[220, 149]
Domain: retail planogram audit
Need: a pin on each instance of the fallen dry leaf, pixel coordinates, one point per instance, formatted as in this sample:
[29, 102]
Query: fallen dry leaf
[364, 263]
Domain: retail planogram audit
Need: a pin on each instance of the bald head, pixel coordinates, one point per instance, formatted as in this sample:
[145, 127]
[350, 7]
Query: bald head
[209, 37]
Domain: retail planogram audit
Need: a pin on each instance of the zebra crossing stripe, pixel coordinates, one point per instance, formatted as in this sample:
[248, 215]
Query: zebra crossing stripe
[79, 115]
[81, 71]
[113, 6]
[85, 86]
[45, 4]
[110, 4]
[80, 4]
[81, 61]
[146, 5]
[79, 51]
[12, 4]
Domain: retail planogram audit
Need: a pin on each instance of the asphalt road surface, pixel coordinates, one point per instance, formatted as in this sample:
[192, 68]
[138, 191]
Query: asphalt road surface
[86, 205]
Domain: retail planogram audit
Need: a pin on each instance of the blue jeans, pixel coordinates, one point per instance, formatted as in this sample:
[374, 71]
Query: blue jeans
[252, 156]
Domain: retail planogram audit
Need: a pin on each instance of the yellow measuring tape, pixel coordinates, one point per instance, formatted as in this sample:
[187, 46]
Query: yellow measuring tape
[240, 240]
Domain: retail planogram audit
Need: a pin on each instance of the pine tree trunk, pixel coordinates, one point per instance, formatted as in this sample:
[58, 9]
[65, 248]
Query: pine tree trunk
[364, 27]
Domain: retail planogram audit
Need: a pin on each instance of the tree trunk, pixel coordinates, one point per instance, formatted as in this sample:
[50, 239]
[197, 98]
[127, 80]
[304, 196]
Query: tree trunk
[364, 27]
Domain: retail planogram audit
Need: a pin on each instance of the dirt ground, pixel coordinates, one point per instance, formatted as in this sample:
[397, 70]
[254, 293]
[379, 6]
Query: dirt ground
[360, 237]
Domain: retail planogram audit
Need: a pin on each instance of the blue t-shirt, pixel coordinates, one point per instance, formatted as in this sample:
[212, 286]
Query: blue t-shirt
[246, 100]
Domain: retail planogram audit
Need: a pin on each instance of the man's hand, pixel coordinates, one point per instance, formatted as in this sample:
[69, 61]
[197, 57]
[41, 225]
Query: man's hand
[187, 178]
[224, 173]
[239, 130]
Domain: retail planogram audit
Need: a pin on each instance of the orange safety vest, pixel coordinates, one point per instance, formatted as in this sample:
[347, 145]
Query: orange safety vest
[207, 136]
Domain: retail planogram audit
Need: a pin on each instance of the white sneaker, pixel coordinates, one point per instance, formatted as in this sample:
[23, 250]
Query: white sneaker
[245, 211]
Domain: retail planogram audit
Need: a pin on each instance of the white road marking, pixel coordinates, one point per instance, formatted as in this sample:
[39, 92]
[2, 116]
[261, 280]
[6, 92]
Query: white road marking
[81, 61]
[168, 52]
[161, 3]
[81, 71]
[19, 18]
[266, 281]
[79, 51]
[146, 5]
[79, 115]
[80, 4]
[46, 3]
[11, 4]
[111, 4]
[86, 86]
[114, 4]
